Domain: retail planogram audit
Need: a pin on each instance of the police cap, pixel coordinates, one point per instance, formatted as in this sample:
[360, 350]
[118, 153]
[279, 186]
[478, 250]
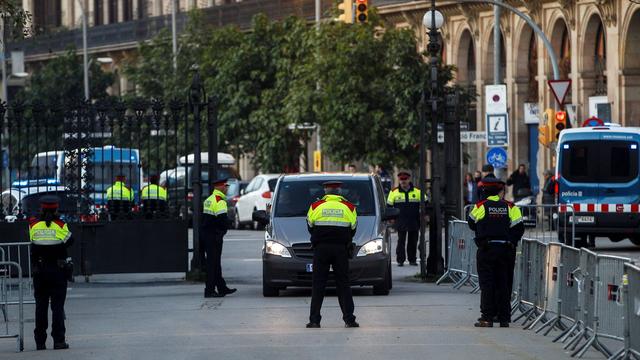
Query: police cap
[487, 168]
[491, 182]
[404, 175]
[333, 184]
[49, 202]
[220, 181]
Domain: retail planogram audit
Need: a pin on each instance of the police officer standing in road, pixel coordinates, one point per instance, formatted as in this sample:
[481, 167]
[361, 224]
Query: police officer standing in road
[332, 224]
[406, 197]
[50, 237]
[215, 223]
[499, 228]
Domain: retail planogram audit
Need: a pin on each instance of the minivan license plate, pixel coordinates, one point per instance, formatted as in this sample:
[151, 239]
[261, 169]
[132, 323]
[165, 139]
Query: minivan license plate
[309, 268]
[583, 219]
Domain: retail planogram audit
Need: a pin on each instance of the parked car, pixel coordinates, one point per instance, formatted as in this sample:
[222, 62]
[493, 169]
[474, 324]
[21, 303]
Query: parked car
[287, 250]
[179, 180]
[256, 196]
[233, 194]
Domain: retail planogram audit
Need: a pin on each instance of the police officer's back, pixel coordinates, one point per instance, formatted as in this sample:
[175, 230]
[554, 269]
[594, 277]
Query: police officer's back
[332, 224]
[50, 238]
[119, 197]
[498, 226]
[154, 198]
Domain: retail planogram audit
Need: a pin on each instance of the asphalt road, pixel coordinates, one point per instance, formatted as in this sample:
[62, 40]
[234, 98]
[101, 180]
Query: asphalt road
[162, 317]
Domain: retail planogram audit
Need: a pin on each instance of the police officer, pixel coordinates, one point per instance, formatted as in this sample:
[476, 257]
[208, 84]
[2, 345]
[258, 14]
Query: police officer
[332, 224]
[406, 197]
[50, 237]
[215, 223]
[153, 196]
[498, 227]
[119, 197]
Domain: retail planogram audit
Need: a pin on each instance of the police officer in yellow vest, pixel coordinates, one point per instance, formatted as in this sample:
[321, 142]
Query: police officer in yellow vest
[119, 197]
[406, 198]
[215, 223]
[498, 227]
[50, 237]
[153, 197]
[332, 224]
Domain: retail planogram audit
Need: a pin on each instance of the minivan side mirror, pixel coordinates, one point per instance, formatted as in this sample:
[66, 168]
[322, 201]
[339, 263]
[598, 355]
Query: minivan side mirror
[260, 216]
[390, 213]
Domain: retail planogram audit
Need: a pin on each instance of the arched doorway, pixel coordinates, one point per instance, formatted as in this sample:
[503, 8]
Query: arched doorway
[594, 70]
[631, 72]
[466, 61]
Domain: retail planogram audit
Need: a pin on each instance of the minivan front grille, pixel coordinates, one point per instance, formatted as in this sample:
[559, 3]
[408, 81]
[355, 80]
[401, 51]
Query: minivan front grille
[302, 250]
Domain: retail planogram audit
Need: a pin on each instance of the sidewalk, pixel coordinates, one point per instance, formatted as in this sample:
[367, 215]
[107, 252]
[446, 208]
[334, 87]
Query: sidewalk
[173, 321]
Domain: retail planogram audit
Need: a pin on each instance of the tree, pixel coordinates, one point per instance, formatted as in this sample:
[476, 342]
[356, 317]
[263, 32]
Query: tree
[15, 17]
[61, 81]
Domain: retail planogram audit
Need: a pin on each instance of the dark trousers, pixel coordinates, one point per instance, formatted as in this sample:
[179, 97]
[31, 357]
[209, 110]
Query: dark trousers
[495, 273]
[49, 284]
[213, 256]
[324, 256]
[411, 239]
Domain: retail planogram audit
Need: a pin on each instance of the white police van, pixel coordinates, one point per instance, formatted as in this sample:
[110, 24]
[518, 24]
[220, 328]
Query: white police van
[597, 174]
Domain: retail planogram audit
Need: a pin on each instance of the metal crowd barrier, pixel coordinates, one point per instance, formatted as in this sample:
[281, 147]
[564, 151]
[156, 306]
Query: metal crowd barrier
[587, 296]
[20, 253]
[542, 222]
[7, 268]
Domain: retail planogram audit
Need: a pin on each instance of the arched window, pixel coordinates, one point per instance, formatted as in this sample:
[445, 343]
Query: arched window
[532, 95]
[471, 64]
[600, 61]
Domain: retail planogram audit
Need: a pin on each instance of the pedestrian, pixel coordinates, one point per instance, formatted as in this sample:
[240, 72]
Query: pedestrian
[549, 188]
[215, 223]
[470, 189]
[487, 172]
[406, 197]
[50, 237]
[154, 197]
[477, 176]
[519, 179]
[332, 223]
[498, 227]
[119, 197]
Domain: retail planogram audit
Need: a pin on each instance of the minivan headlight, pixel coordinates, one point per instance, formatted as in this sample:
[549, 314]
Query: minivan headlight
[275, 248]
[372, 247]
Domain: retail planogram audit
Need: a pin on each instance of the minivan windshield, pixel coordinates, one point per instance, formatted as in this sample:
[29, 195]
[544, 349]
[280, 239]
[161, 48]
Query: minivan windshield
[295, 197]
[588, 161]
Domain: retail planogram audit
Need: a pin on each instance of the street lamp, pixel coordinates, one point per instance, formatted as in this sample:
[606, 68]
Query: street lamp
[432, 21]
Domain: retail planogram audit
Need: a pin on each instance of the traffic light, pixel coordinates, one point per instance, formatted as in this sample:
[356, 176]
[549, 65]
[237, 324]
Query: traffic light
[559, 124]
[544, 130]
[346, 11]
[362, 11]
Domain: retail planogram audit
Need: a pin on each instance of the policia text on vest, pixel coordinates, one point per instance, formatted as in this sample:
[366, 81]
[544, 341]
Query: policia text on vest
[332, 224]
[498, 227]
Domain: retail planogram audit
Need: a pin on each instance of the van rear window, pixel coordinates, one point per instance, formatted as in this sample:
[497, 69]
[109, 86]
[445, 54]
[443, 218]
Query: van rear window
[599, 161]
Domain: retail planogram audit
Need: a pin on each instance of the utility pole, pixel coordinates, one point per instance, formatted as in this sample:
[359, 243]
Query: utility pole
[85, 56]
[4, 62]
[497, 10]
[174, 38]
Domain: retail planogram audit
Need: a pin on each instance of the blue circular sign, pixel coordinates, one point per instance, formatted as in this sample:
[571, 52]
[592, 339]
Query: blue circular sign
[497, 157]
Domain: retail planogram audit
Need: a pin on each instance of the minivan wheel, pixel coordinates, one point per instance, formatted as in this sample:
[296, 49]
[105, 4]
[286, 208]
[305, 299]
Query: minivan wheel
[236, 221]
[384, 286]
[257, 225]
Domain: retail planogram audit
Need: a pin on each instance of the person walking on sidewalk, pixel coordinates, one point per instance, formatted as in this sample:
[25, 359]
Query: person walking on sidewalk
[406, 198]
[498, 227]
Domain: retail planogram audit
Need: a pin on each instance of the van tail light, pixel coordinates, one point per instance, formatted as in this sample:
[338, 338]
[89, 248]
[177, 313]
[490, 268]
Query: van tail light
[266, 194]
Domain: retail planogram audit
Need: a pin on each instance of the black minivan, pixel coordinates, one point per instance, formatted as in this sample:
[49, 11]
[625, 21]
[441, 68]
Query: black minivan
[287, 254]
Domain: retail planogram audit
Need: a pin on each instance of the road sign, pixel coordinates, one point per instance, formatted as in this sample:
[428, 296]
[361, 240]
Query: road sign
[497, 157]
[498, 130]
[496, 99]
[560, 89]
[466, 136]
[592, 121]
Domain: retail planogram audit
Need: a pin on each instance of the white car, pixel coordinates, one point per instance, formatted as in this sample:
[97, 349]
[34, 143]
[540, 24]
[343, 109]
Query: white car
[254, 197]
[15, 201]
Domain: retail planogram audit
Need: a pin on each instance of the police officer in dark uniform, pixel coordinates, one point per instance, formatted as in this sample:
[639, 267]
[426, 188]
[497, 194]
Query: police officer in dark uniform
[499, 228]
[50, 237]
[215, 223]
[406, 197]
[332, 224]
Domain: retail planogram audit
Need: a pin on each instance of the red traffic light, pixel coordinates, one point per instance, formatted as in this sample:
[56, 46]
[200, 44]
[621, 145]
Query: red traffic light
[561, 120]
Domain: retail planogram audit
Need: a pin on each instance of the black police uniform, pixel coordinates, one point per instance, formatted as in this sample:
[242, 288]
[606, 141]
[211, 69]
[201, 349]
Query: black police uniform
[498, 229]
[407, 223]
[50, 273]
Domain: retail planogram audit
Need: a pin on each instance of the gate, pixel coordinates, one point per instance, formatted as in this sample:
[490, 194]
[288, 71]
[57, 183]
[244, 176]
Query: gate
[77, 152]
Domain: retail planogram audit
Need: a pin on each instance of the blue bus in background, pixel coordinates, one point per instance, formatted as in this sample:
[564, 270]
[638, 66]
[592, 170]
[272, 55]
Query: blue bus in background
[49, 169]
[597, 172]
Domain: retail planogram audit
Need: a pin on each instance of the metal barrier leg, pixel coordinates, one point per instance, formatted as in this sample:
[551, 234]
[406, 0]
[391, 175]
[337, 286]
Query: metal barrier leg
[574, 341]
[568, 332]
[593, 341]
[541, 317]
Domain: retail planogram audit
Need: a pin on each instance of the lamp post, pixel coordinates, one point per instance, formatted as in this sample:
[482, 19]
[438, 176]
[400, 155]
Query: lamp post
[432, 21]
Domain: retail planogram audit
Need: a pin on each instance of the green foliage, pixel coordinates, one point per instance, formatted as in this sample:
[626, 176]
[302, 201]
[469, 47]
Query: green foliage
[61, 81]
[16, 19]
[361, 83]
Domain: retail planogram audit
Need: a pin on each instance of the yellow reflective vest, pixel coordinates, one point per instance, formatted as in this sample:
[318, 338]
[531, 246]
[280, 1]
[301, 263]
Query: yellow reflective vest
[153, 192]
[332, 210]
[215, 204]
[119, 191]
[55, 234]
